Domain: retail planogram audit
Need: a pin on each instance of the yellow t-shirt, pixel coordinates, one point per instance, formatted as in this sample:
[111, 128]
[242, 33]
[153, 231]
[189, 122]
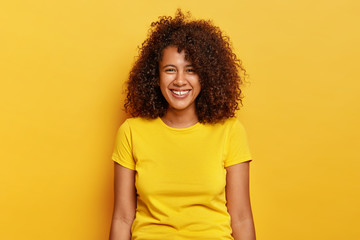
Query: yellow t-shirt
[180, 176]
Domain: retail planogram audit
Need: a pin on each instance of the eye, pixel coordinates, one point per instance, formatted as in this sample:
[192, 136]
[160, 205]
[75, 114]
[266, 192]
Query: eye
[190, 70]
[170, 70]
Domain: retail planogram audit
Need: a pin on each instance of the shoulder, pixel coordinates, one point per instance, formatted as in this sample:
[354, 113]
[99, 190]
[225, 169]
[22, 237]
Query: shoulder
[231, 123]
[139, 125]
[234, 127]
[228, 127]
[226, 124]
[138, 121]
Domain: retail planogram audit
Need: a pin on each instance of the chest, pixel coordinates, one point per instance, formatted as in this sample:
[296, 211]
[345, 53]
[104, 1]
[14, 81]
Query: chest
[180, 165]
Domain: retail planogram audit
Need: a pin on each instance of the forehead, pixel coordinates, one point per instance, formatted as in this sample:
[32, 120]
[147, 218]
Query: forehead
[171, 55]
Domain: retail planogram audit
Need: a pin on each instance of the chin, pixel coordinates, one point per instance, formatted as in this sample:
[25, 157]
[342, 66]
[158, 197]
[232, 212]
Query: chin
[179, 107]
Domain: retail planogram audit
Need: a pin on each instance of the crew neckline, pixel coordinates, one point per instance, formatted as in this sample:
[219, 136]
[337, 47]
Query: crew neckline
[196, 125]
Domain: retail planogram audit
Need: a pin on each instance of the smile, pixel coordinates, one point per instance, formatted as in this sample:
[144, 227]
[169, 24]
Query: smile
[180, 93]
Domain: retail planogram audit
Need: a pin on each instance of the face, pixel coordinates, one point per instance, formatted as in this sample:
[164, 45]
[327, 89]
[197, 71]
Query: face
[179, 83]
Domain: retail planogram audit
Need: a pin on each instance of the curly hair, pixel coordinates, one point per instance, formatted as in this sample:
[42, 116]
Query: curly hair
[220, 72]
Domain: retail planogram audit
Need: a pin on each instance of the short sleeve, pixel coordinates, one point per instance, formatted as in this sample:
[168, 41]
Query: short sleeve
[122, 153]
[237, 145]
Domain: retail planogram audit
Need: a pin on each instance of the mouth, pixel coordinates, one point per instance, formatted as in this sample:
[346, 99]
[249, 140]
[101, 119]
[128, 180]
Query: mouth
[180, 93]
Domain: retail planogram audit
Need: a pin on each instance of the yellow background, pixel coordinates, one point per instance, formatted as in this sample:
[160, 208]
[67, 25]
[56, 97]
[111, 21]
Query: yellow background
[62, 68]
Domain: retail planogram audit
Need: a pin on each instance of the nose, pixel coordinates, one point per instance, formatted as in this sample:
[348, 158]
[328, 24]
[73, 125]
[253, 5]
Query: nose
[180, 79]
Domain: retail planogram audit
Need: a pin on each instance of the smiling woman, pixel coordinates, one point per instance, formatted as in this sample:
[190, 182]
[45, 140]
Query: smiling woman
[182, 160]
[209, 52]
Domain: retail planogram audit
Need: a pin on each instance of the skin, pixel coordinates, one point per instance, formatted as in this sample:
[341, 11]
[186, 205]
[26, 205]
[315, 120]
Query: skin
[124, 203]
[238, 201]
[177, 74]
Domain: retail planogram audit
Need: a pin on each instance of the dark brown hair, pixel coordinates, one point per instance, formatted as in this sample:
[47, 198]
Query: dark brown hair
[210, 52]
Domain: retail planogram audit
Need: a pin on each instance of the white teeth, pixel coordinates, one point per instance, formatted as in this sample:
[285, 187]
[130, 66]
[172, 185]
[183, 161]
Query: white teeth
[180, 93]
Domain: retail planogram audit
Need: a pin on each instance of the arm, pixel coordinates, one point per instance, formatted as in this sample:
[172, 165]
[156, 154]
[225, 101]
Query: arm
[124, 203]
[238, 201]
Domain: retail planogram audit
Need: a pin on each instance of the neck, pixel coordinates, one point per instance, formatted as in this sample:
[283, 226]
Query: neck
[180, 119]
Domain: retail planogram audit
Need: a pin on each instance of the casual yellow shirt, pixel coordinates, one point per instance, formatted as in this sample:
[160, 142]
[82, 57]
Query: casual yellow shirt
[180, 176]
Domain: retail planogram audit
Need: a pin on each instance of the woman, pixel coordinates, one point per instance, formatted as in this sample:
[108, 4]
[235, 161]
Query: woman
[182, 161]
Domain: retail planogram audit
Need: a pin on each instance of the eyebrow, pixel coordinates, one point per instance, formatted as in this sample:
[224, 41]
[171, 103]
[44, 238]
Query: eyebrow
[171, 65]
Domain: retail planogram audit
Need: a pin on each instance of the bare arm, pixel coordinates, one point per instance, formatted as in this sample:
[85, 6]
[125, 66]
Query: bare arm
[238, 201]
[124, 203]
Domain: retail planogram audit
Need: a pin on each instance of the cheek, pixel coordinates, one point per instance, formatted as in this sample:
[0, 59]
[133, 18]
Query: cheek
[165, 80]
[196, 84]
[163, 86]
[161, 82]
